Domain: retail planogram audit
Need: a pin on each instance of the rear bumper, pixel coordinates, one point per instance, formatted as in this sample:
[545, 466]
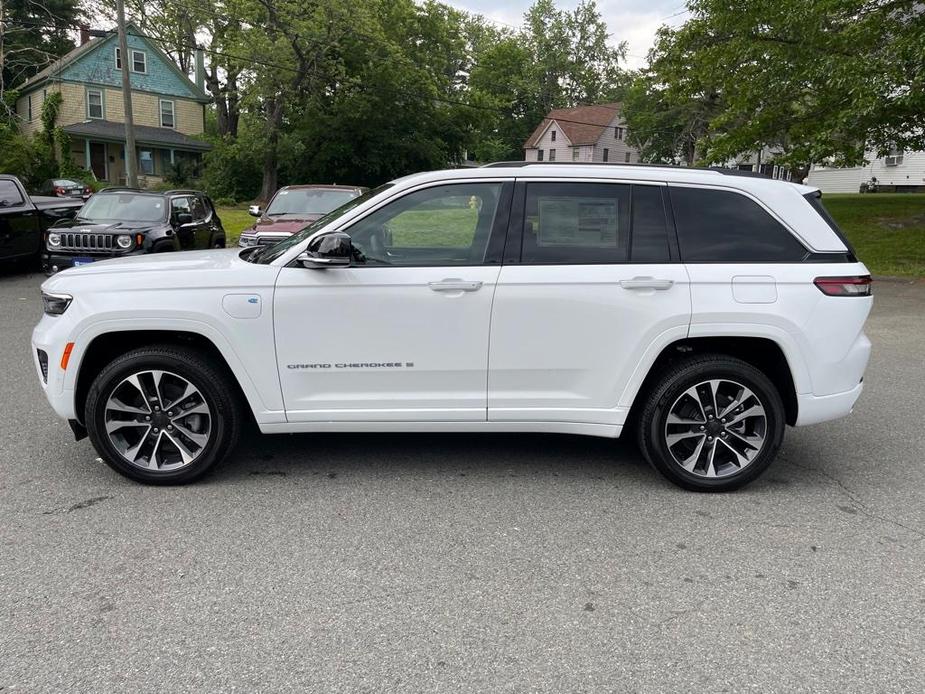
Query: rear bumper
[813, 409]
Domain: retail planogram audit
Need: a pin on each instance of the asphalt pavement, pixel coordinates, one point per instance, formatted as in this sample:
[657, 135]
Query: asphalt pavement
[468, 563]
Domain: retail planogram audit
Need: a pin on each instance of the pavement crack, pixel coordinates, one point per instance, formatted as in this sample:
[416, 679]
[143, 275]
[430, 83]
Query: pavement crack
[861, 507]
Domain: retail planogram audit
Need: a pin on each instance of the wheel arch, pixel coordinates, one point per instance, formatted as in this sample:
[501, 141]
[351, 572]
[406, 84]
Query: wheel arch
[763, 353]
[106, 346]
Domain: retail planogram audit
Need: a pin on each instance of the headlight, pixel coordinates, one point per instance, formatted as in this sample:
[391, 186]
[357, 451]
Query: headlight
[54, 240]
[124, 241]
[247, 241]
[56, 304]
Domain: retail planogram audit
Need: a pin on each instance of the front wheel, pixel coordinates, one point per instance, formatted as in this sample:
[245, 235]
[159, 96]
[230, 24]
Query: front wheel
[712, 423]
[162, 415]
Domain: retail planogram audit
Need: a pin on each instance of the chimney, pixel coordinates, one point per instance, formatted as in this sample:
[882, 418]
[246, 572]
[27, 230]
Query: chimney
[84, 34]
[200, 76]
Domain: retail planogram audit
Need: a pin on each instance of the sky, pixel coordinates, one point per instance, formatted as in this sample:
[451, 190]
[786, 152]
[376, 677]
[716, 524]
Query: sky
[633, 21]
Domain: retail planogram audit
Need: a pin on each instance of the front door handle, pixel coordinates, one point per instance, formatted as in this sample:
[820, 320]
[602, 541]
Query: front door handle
[647, 283]
[454, 285]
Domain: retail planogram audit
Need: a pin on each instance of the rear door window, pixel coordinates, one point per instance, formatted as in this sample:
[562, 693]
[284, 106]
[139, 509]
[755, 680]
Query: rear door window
[594, 223]
[198, 209]
[720, 226]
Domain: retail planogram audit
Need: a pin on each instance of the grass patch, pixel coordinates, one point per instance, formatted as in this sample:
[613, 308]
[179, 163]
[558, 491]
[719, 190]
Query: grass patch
[447, 228]
[235, 220]
[886, 229]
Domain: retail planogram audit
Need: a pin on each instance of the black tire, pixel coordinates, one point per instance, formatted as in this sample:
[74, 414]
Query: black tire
[211, 382]
[671, 386]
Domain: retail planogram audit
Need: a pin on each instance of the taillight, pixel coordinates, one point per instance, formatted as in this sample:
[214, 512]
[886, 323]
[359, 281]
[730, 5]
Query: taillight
[859, 285]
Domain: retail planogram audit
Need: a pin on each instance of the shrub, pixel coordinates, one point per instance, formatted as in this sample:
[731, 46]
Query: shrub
[225, 202]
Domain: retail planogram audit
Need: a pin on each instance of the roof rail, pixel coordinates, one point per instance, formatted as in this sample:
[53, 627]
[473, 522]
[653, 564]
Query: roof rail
[121, 189]
[184, 191]
[520, 164]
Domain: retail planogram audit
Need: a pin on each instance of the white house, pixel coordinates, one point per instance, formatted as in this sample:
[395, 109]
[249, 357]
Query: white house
[585, 133]
[900, 172]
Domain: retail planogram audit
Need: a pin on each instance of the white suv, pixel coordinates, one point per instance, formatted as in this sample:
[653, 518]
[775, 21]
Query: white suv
[699, 310]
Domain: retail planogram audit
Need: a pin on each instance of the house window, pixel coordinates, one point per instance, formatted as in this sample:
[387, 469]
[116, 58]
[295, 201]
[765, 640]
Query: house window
[552, 155]
[606, 154]
[539, 155]
[894, 158]
[146, 161]
[628, 157]
[94, 103]
[139, 61]
[167, 120]
[552, 135]
[575, 154]
[618, 133]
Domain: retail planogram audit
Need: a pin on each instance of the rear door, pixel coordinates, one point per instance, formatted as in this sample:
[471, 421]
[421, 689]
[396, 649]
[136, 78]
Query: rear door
[590, 291]
[202, 232]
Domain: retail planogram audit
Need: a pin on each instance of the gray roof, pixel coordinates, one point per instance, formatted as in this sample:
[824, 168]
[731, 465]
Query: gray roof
[144, 134]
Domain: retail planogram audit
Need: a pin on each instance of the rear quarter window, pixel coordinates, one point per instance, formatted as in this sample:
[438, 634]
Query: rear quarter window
[719, 226]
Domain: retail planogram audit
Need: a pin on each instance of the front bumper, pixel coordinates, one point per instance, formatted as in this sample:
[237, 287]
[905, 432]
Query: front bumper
[51, 336]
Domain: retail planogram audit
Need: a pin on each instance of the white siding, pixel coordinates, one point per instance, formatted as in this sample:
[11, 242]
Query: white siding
[911, 172]
[617, 149]
[561, 145]
[836, 180]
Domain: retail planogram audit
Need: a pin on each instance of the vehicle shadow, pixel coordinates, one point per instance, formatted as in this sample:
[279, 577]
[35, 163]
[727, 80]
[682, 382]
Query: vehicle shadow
[443, 455]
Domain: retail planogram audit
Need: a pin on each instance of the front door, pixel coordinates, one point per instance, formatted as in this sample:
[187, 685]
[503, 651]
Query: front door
[19, 223]
[402, 334]
[593, 290]
[185, 230]
[98, 160]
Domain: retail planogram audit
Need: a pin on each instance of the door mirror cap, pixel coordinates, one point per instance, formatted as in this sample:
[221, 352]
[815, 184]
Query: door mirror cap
[328, 250]
[254, 210]
[184, 218]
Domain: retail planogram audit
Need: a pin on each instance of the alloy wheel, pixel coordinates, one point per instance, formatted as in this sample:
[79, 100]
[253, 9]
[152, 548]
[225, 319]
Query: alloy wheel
[158, 421]
[716, 428]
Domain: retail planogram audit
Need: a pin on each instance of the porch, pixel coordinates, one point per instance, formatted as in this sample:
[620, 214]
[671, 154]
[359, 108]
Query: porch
[99, 146]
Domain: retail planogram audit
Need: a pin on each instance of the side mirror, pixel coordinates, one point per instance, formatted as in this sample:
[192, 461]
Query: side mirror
[329, 250]
[254, 210]
[184, 218]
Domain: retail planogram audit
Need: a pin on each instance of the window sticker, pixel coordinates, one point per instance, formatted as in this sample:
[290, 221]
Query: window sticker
[569, 221]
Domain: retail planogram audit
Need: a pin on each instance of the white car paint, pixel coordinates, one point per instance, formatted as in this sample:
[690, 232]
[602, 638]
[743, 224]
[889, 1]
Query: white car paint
[556, 348]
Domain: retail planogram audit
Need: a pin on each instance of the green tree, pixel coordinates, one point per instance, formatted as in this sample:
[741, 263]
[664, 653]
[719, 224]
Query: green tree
[33, 34]
[818, 79]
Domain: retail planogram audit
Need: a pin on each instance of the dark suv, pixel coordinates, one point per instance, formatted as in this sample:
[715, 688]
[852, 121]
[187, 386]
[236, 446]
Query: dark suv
[117, 222]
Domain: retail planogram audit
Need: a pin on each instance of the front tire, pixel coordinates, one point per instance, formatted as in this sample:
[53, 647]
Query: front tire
[162, 415]
[712, 423]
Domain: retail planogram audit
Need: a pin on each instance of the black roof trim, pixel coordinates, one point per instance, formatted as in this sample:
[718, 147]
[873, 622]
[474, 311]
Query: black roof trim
[521, 164]
[738, 172]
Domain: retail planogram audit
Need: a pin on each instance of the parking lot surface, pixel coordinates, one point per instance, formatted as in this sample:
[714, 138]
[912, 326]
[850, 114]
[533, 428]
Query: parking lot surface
[495, 563]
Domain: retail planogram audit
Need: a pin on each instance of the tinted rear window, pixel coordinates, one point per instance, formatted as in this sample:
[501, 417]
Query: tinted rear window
[718, 226]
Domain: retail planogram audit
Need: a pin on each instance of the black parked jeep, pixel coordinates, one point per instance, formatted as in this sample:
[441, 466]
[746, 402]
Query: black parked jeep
[125, 221]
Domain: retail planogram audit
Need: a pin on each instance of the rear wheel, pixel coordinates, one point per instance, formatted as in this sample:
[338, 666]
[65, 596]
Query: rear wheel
[712, 423]
[162, 415]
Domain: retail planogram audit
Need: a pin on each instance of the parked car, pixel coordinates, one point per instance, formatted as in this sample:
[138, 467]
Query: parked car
[697, 311]
[119, 222]
[65, 188]
[23, 219]
[293, 208]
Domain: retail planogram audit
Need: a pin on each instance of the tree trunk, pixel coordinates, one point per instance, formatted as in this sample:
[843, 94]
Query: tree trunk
[274, 110]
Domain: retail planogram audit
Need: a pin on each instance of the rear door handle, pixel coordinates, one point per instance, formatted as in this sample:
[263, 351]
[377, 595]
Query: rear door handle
[647, 283]
[454, 285]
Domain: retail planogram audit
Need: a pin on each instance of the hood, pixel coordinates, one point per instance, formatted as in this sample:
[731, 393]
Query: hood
[160, 274]
[87, 227]
[285, 224]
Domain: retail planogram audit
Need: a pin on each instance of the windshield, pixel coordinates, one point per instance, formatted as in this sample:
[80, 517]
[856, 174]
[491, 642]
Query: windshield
[273, 252]
[123, 207]
[308, 201]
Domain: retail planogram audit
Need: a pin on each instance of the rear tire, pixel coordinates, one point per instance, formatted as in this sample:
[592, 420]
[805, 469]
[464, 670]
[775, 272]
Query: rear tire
[162, 415]
[711, 423]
